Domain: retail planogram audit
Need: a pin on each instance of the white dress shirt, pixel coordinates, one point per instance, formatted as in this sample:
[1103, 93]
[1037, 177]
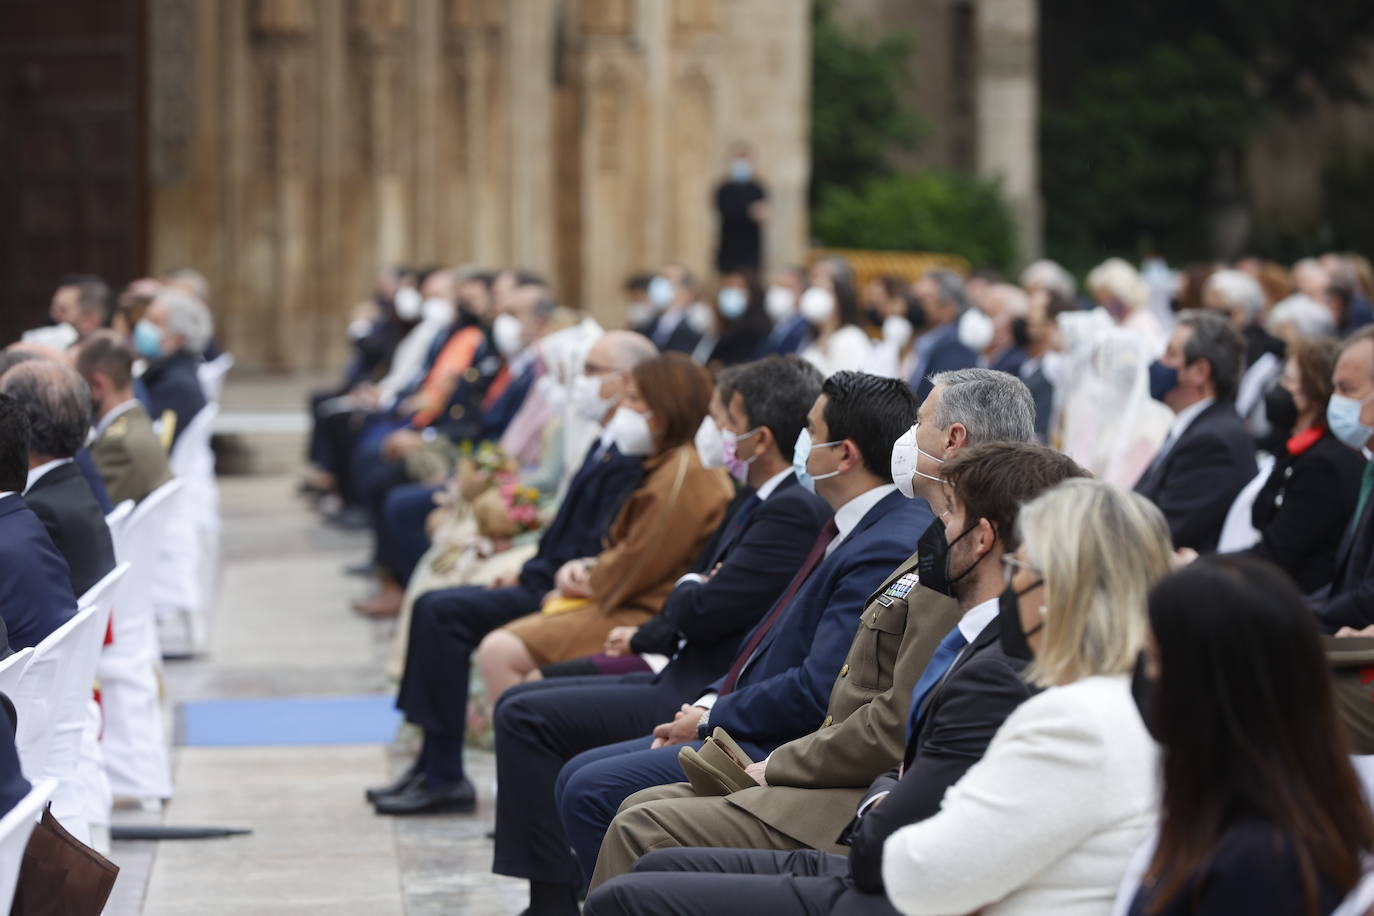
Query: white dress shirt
[36, 474]
[1182, 420]
[848, 516]
[1061, 801]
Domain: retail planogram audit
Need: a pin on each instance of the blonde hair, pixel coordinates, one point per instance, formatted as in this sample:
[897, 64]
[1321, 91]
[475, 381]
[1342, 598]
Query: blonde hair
[1119, 280]
[1100, 549]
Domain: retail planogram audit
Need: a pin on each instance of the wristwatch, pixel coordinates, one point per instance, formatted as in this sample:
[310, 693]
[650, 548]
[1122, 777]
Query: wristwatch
[703, 724]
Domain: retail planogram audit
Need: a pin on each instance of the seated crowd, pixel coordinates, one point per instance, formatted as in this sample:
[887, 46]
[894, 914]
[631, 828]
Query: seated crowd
[90, 408]
[922, 595]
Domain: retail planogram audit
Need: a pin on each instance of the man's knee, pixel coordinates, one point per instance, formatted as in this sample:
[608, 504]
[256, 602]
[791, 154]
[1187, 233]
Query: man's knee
[655, 793]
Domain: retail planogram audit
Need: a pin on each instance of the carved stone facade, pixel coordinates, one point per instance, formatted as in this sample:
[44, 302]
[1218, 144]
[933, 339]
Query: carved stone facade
[297, 145]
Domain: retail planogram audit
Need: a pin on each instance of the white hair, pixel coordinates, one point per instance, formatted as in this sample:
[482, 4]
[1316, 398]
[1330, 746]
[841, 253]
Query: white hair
[1049, 276]
[187, 316]
[1238, 290]
[1310, 318]
[1119, 280]
[1014, 301]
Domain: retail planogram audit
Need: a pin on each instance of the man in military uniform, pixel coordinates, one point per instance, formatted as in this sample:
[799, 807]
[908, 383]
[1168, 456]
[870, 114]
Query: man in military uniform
[127, 452]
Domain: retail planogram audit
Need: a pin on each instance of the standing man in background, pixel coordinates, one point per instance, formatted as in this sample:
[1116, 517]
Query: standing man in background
[742, 205]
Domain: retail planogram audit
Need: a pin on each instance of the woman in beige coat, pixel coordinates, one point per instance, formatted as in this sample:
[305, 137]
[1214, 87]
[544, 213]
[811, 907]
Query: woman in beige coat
[660, 530]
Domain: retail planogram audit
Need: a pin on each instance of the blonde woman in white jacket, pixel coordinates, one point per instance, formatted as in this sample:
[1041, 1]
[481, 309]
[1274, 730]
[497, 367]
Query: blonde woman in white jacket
[1047, 821]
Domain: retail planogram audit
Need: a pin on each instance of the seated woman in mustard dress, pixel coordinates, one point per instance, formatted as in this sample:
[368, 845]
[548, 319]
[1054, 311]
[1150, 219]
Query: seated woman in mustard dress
[652, 542]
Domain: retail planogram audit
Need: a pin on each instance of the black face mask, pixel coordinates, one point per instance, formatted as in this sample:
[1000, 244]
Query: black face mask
[1020, 332]
[1143, 691]
[1015, 641]
[932, 552]
[953, 579]
[875, 317]
[1281, 411]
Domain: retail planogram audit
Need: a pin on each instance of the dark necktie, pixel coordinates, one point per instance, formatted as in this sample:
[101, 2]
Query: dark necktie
[812, 560]
[1366, 485]
[939, 664]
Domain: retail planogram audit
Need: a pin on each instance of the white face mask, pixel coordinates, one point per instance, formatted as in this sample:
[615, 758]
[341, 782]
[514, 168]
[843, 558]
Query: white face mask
[732, 303]
[710, 444]
[508, 335]
[976, 330]
[437, 311]
[407, 303]
[661, 292]
[906, 454]
[780, 302]
[741, 169]
[817, 305]
[897, 331]
[630, 431]
[700, 318]
[587, 399]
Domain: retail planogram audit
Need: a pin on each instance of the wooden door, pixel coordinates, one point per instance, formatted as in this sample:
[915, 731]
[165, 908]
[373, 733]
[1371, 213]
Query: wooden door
[71, 149]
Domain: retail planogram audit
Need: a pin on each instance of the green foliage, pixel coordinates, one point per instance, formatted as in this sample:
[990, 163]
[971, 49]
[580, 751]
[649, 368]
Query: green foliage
[1348, 188]
[857, 103]
[931, 211]
[1148, 106]
[1128, 164]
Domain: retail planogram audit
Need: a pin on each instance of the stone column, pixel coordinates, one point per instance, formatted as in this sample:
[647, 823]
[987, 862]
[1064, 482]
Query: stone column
[1008, 115]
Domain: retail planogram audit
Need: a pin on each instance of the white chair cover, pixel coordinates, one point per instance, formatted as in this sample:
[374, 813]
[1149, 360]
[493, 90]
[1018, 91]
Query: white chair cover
[211, 375]
[1238, 532]
[187, 577]
[15, 828]
[40, 699]
[12, 669]
[130, 667]
[82, 648]
[118, 516]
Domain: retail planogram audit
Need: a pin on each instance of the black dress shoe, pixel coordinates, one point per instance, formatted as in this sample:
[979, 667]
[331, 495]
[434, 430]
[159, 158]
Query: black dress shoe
[402, 783]
[426, 797]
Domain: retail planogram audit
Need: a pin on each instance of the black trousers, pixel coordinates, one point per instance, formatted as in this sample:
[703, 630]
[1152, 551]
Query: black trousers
[541, 726]
[445, 628]
[724, 882]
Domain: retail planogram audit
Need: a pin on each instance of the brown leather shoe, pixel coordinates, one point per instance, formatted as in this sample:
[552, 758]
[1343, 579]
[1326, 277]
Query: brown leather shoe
[386, 603]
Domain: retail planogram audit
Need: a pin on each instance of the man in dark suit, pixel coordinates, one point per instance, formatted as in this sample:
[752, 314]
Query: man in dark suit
[58, 404]
[540, 726]
[448, 624]
[127, 452]
[962, 698]
[1208, 456]
[172, 334]
[1349, 600]
[673, 332]
[943, 301]
[35, 589]
[778, 686]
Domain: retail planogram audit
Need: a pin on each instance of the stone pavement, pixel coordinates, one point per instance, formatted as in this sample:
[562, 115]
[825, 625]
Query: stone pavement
[283, 629]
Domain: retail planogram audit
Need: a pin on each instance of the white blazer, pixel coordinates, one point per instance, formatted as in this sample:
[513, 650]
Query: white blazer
[1046, 822]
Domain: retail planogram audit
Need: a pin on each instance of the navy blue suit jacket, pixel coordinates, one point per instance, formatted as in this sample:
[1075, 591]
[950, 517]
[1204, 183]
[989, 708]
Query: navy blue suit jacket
[35, 594]
[1010, 361]
[594, 497]
[86, 463]
[172, 384]
[946, 355]
[788, 336]
[784, 690]
[497, 417]
[757, 558]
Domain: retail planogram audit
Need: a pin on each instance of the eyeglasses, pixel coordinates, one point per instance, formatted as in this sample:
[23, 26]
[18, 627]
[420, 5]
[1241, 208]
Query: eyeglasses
[1011, 563]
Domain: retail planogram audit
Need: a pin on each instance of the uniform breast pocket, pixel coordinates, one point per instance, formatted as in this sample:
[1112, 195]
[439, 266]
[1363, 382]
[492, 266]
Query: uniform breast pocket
[875, 648]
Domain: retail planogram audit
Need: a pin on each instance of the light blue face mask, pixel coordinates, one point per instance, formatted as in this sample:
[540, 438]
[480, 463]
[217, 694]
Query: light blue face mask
[801, 455]
[732, 303]
[147, 339]
[1343, 416]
